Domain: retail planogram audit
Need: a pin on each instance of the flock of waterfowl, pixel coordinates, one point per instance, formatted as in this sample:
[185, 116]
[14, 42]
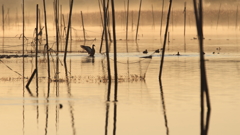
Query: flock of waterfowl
[91, 51]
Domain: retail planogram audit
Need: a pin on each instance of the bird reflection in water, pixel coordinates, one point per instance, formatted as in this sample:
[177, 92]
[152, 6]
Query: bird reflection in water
[88, 60]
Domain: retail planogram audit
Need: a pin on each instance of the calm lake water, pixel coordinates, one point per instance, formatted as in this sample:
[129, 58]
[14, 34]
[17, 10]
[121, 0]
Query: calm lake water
[77, 103]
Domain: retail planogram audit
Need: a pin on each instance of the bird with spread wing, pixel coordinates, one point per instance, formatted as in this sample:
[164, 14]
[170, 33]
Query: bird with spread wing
[90, 51]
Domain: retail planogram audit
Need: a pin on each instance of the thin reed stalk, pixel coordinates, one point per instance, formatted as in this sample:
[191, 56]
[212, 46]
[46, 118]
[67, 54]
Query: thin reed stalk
[114, 51]
[153, 24]
[56, 23]
[108, 22]
[23, 38]
[103, 32]
[165, 39]
[3, 18]
[204, 85]
[31, 77]
[100, 5]
[57, 38]
[185, 12]
[236, 18]
[47, 46]
[3, 26]
[84, 35]
[172, 18]
[139, 14]
[218, 14]
[106, 40]
[161, 18]
[64, 26]
[36, 51]
[132, 21]
[61, 25]
[127, 20]
[100, 11]
[69, 24]
[100, 48]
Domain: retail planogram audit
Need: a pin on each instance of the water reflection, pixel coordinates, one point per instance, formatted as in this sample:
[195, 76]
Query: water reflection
[114, 118]
[47, 108]
[68, 82]
[109, 91]
[88, 59]
[23, 94]
[91, 97]
[205, 123]
[164, 107]
[29, 91]
[106, 119]
[3, 42]
[108, 104]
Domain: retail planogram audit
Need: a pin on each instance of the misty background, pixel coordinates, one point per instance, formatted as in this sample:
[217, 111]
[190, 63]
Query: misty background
[221, 12]
[92, 5]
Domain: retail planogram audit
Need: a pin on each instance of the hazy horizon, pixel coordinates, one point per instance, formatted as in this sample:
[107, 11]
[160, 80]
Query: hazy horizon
[90, 9]
[93, 6]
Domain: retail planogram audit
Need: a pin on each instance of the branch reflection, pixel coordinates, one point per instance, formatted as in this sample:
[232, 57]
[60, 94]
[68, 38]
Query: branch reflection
[205, 124]
[106, 119]
[70, 95]
[164, 107]
[47, 108]
[115, 119]
[108, 104]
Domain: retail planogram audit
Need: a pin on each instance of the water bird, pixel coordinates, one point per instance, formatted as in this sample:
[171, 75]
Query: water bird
[145, 51]
[90, 51]
[157, 51]
[218, 49]
[178, 53]
[60, 106]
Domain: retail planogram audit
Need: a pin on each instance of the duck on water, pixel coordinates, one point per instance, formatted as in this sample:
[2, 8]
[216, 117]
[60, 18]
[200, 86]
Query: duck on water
[90, 51]
[145, 52]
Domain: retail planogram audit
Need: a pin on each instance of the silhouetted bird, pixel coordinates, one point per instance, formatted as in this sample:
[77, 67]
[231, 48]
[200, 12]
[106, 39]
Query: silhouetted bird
[178, 53]
[90, 51]
[157, 51]
[145, 51]
[60, 106]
